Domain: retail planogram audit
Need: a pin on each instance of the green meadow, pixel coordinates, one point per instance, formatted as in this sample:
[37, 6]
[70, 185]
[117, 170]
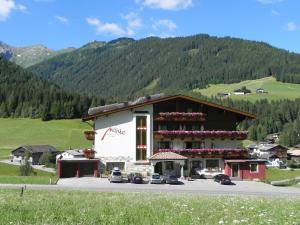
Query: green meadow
[276, 90]
[9, 174]
[273, 174]
[62, 134]
[89, 207]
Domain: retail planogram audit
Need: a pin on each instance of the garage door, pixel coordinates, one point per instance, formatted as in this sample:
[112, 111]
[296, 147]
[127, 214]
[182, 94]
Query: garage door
[68, 169]
[87, 169]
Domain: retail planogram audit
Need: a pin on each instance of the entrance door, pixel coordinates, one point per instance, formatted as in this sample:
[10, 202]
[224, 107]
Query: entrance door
[235, 169]
[195, 164]
[158, 168]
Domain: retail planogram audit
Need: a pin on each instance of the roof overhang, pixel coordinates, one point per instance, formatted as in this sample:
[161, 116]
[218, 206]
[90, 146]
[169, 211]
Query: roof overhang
[167, 98]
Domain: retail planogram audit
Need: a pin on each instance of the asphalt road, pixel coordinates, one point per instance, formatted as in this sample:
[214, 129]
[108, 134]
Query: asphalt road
[201, 187]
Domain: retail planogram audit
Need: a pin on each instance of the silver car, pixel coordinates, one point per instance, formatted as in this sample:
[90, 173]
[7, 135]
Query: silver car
[156, 179]
[115, 176]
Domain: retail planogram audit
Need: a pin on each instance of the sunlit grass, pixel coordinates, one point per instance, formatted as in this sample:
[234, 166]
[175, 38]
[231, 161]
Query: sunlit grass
[74, 207]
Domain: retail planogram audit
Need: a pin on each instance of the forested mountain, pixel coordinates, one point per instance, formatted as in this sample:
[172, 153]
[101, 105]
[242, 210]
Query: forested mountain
[30, 55]
[271, 117]
[23, 94]
[153, 64]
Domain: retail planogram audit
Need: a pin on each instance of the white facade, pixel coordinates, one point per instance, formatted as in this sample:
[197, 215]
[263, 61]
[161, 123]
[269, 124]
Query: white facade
[115, 137]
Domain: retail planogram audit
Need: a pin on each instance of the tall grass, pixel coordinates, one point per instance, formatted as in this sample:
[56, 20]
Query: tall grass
[75, 207]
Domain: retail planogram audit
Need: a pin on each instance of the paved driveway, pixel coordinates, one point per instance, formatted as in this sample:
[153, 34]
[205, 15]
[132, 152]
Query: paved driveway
[206, 187]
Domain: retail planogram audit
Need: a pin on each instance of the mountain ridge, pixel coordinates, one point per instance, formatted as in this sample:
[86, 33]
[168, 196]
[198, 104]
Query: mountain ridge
[170, 63]
[29, 55]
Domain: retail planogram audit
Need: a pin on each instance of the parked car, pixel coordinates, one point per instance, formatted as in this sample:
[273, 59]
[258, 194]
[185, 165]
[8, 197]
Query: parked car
[115, 176]
[156, 179]
[171, 179]
[222, 179]
[135, 178]
[282, 165]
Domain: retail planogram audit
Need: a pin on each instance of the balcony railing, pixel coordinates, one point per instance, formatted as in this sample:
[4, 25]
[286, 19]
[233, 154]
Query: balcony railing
[180, 116]
[240, 135]
[205, 150]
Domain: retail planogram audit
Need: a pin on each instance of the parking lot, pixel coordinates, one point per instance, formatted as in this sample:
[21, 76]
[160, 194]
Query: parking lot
[201, 186]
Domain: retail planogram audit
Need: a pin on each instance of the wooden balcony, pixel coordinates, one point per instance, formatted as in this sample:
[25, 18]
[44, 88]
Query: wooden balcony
[171, 134]
[180, 116]
[208, 152]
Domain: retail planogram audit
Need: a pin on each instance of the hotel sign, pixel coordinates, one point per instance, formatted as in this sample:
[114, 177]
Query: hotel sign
[113, 132]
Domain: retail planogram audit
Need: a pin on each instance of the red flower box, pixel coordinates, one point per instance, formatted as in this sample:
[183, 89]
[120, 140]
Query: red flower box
[89, 153]
[89, 135]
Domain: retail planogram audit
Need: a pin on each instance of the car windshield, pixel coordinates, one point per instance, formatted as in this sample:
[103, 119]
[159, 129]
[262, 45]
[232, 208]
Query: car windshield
[116, 173]
[173, 177]
[156, 176]
[137, 175]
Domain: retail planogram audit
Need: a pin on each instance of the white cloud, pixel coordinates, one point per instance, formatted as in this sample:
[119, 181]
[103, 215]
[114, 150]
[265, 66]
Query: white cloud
[62, 19]
[164, 25]
[275, 13]
[166, 4]
[107, 28]
[134, 22]
[269, 1]
[7, 6]
[291, 26]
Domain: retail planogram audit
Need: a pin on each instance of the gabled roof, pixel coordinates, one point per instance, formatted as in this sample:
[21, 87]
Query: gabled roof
[36, 148]
[269, 147]
[167, 156]
[114, 108]
[75, 152]
[297, 146]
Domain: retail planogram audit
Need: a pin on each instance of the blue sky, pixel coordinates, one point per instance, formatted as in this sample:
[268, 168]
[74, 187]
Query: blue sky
[65, 23]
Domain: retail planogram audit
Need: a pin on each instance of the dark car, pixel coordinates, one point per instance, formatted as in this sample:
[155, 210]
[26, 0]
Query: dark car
[171, 179]
[135, 178]
[222, 179]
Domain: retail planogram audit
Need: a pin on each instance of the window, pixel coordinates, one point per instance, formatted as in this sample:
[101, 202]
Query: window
[169, 165]
[253, 168]
[212, 165]
[162, 127]
[164, 145]
[141, 137]
[193, 145]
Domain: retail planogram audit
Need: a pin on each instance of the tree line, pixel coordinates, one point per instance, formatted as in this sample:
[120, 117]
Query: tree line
[23, 94]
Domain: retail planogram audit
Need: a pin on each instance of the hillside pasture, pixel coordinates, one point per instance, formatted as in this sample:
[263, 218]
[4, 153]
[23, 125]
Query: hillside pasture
[62, 134]
[276, 90]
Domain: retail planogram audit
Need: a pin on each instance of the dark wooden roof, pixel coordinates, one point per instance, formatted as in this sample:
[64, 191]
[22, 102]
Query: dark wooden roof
[167, 98]
[35, 149]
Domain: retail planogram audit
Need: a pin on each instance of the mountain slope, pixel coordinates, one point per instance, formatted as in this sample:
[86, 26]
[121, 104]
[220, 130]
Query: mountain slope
[23, 94]
[125, 66]
[30, 55]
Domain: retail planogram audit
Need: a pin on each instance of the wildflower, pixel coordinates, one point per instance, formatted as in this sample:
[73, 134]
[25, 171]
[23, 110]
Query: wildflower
[221, 222]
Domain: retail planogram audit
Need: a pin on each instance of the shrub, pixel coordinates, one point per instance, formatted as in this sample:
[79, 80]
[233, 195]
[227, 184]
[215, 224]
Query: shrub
[26, 169]
[45, 158]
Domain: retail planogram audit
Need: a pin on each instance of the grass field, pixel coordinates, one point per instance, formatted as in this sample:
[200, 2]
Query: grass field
[276, 90]
[41, 207]
[274, 174]
[60, 133]
[9, 174]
